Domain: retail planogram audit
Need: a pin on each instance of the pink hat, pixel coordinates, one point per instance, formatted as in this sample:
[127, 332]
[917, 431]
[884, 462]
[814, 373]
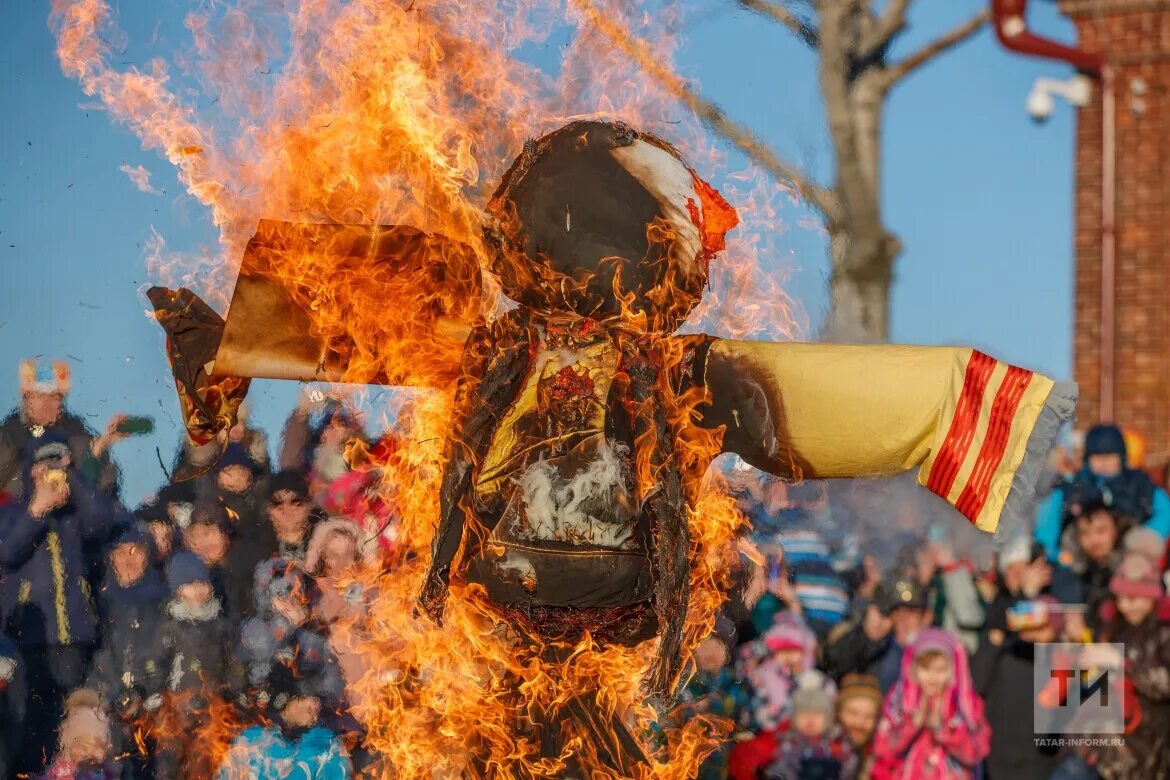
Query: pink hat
[1136, 577]
[367, 548]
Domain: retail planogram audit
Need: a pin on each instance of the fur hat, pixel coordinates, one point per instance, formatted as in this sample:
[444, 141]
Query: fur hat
[1145, 541]
[814, 693]
[42, 377]
[1136, 577]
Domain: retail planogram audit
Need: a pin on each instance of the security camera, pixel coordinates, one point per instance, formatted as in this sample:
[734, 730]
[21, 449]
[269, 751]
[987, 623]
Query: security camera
[1076, 90]
[1040, 105]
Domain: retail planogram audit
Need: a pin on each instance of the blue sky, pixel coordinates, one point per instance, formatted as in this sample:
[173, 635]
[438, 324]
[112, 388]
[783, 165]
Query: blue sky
[980, 196]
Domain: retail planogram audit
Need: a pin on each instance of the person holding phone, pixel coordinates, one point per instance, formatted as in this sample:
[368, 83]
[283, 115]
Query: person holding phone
[45, 601]
[44, 387]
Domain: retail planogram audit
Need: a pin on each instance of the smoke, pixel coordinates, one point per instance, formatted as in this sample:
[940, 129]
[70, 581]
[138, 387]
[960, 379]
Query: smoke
[140, 177]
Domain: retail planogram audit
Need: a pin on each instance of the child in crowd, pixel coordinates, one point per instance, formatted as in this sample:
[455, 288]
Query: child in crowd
[791, 648]
[859, 702]
[84, 749]
[1138, 617]
[932, 725]
[197, 642]
[127, 669]
[812, 745]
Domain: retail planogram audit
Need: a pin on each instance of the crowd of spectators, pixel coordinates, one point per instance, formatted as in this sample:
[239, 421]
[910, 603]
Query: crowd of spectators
[125, 634]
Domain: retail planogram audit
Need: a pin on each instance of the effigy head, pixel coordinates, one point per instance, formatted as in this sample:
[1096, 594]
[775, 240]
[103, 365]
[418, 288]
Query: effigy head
[599, 220]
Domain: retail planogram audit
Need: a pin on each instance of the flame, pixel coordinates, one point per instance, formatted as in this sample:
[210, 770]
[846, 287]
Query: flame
[406, 113]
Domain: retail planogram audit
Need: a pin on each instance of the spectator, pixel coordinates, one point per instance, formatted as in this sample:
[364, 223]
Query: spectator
[197, 651]
[859, 703]
[1003, 669]
[958, 607]
[128, 668]
[45, 602]
[319, 451]
[167, 516]
[1107, 479]
[13, 700]
[932, 724]
[813, 745]
[1139, 618]
[791, 648]
[1091, 548]
[85, 751]
[286, 631]
[194, 458]
[208, 536]
[714, 690]
[1026, 573]
[291, 515]
[43, 388]
[874, 645]
[817, 590]
[297, 746]
[334, 559]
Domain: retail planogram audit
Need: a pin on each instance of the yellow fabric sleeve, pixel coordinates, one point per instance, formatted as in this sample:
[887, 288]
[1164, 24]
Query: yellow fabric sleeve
[965, 420]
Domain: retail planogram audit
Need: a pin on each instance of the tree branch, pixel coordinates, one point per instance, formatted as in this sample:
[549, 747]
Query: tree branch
[783, 15]
[891, 22]
[821, 198]
[899, 70]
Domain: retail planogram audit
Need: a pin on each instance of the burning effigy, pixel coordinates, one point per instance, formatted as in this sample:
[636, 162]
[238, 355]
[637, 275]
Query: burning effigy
[564, 539]
[583, 426]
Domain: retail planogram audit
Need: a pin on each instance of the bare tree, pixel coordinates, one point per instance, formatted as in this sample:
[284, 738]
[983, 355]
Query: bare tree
[852, 41]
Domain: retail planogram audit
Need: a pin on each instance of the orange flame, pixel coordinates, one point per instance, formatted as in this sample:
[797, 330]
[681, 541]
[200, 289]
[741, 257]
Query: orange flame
[405, 113]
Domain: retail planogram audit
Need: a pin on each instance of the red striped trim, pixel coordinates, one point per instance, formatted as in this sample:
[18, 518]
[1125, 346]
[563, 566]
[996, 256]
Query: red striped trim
[999, 428]
[962, 431]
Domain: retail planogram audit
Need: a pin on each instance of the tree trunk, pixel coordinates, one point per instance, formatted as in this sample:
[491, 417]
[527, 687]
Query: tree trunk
[859, 291]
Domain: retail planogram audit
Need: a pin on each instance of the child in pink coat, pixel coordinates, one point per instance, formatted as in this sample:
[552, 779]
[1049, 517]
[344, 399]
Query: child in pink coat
[932, 726]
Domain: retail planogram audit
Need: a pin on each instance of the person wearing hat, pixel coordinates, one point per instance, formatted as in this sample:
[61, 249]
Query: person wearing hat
[1003, 669]
[1138, 617]
[43, 387]
[197, 649]
[85, 748]
[874, 644]
[296, 746]
[45, 601]
[210, 532]
[859, 702]
[813, 745]
[1106, 477]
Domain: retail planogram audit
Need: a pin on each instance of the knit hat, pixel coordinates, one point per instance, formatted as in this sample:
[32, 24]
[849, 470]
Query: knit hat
[814, 693]
[906, 592]
[43, 377]
[291, 481]
[788, 633]
[184, 568]
[132, 533]
[1145, 541]
[1018, 549]
[1105, 440]
[1136, 577]
[859, 686]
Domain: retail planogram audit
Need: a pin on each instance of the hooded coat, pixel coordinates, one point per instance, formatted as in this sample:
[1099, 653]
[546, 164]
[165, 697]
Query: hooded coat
[44, 588]
[906, 751]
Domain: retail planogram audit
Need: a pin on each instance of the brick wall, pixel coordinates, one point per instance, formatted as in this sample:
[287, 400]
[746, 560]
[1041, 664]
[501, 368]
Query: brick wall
[1136, 36]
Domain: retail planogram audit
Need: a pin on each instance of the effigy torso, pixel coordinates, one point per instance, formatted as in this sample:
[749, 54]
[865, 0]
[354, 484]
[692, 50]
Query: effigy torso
[569, 549]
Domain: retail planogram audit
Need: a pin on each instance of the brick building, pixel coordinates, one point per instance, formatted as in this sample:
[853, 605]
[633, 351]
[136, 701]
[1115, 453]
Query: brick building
[1134, 36]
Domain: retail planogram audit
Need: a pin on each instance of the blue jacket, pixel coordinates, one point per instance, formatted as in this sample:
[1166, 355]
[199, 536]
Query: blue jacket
[1050, 516]
[44, 593]
[264, 753]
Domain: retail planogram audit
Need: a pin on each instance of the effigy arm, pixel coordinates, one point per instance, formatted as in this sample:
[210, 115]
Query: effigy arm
[977, 430]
